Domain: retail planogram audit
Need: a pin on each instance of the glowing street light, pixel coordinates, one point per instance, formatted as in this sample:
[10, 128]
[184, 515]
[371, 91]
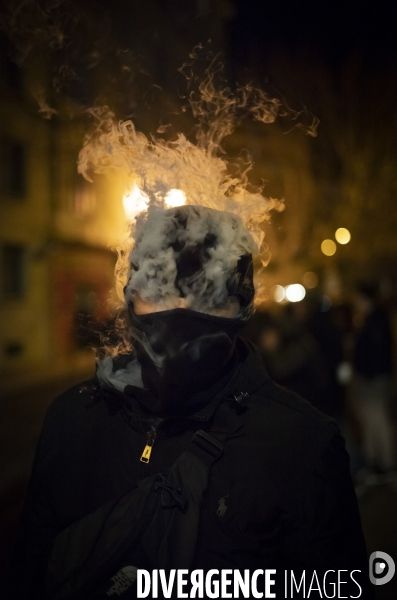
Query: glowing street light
[328, 247]
[342, 235]
[295, 292]
[134, 202]
[175, 198]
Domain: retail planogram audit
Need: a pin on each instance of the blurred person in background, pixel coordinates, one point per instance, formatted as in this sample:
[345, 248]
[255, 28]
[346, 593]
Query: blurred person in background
[302, 350]
[293, 358]
[317, 319]
[373, 369]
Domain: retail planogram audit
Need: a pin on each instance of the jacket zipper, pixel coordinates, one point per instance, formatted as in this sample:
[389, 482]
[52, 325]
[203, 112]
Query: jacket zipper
[147, 451]
[151, 437]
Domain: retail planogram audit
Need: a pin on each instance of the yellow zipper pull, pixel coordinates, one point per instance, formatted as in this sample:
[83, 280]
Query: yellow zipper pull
[145, 458]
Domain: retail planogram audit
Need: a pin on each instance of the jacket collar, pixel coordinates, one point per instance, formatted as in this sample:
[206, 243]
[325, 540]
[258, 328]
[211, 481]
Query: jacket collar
[248, 375]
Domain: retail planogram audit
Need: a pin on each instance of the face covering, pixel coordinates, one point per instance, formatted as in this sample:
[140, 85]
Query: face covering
[183, 352]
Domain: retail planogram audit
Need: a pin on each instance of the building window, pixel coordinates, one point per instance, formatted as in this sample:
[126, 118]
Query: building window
[14, 75]
[83, 318]
[12, 169]
[13, 272]
[13, 349]
[11, 74]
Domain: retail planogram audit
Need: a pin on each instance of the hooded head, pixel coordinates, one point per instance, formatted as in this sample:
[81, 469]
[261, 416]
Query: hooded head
[196, 258]
[192, 257]
[190, 290]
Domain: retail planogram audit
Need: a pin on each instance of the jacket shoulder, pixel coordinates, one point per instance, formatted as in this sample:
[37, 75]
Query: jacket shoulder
[289, 420]
[72, 404]
[85, 388]
[282, 399]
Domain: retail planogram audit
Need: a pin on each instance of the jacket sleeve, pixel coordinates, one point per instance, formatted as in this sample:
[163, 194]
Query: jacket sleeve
[330, 536]
[26, 567]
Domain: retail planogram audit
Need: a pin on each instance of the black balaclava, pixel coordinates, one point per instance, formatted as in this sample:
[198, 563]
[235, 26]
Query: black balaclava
[183, 352]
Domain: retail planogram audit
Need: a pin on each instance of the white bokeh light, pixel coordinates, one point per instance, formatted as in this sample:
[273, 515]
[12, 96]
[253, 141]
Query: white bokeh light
[295, 292]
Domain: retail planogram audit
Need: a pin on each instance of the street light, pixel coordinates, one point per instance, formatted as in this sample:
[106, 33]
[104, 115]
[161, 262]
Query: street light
[295, 292]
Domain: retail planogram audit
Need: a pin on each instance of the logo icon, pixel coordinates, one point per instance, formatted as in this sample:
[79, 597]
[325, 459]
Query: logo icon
[381, 568]
[122, 581]
[222, 508]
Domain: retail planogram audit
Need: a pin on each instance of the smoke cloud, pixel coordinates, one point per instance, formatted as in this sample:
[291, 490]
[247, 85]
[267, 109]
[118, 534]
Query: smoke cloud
[201, 171]
[189, 252]
[226, 214]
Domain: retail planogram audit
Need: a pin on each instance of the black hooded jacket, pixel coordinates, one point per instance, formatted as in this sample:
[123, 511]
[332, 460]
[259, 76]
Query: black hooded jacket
[280, 496]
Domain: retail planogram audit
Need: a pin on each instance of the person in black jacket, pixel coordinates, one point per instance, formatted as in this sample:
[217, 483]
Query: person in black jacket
[373, 366]
[277, 494]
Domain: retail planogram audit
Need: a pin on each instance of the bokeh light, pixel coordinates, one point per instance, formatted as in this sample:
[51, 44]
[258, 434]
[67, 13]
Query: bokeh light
[310, 280]
[326, 304]
[278, 293]
[328, 247]
[342, 235]
[295, 292]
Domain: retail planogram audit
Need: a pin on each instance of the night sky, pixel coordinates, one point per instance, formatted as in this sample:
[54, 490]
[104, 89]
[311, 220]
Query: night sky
[332, 30]
[329, 33]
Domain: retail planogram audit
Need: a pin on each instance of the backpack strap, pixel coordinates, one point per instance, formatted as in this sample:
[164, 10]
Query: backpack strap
[206, 447]
[171, 538]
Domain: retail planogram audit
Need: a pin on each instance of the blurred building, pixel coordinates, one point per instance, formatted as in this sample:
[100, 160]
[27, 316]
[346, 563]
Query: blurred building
[56, 267]
[282, 166]
[57, 229]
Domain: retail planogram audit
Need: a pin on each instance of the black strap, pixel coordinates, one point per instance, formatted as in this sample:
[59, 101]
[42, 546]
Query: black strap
[206, 447]
[190, 472]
